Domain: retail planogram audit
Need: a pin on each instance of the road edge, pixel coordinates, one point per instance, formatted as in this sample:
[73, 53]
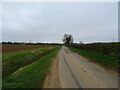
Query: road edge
[52, 80]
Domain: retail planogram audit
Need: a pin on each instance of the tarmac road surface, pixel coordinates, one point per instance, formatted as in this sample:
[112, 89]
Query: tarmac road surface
[76, 71]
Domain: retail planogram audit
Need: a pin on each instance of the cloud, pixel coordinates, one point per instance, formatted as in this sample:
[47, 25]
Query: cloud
[48, 22]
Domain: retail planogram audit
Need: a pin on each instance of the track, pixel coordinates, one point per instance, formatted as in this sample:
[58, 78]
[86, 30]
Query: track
[76, 71]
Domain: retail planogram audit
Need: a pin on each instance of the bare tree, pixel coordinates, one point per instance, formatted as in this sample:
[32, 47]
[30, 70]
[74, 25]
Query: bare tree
[67, 39]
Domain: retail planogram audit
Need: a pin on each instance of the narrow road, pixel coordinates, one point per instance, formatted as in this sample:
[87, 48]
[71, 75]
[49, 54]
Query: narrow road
[76, 71]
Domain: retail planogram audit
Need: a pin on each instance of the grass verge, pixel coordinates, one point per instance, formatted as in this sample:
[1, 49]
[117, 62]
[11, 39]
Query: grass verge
[106, 60]
[13, 61]
[33, 75]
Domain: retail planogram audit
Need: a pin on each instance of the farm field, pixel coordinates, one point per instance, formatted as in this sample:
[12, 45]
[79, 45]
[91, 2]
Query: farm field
[14, 48]
[23, 67]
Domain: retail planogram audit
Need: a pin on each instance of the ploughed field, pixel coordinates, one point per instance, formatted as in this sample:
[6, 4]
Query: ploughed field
[14, 48]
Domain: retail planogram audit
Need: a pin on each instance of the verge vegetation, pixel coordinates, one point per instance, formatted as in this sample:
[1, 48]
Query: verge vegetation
[109, 58]
[13, 61]
[112, 49]
[32, 75]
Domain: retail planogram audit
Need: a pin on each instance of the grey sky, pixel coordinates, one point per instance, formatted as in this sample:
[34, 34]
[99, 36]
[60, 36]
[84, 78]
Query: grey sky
[48, 22]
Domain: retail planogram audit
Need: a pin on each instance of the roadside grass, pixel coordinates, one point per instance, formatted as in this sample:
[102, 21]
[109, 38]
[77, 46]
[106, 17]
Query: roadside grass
[105, 60]
[15, 60]
[33, 75]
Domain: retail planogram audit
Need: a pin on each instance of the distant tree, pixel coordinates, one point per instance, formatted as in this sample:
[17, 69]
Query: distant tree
[67, 39]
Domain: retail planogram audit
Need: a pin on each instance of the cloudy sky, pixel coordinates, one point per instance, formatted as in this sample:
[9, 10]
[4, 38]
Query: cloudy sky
[48, 22]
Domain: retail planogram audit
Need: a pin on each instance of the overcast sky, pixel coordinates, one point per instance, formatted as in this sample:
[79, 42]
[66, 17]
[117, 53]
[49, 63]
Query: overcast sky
[48, 22]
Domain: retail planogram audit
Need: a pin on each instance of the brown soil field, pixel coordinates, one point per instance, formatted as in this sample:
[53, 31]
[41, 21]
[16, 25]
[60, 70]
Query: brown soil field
[15, 48]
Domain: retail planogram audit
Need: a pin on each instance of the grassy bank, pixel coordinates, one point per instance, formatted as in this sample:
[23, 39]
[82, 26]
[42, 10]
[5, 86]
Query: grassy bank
[33, 75]
[106, 60]
[13, 61]
[112, 49]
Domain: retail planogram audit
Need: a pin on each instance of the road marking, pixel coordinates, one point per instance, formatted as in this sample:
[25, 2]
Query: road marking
[77, 83]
